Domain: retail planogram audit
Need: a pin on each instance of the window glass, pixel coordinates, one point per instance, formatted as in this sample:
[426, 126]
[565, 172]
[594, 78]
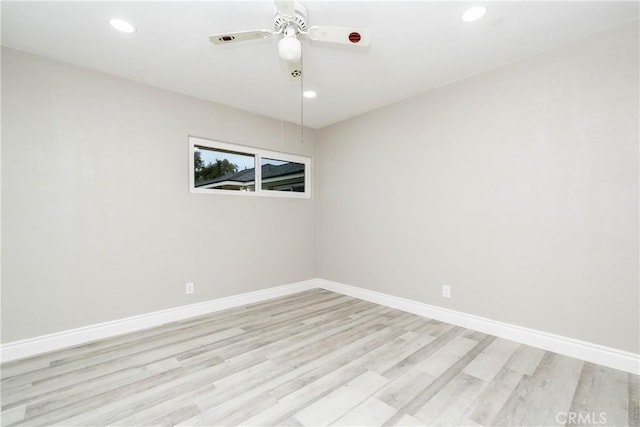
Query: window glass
[223, 170]
[281, 175]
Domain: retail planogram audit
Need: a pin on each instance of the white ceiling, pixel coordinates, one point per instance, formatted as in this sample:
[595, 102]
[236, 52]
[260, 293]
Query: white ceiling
[415, 46]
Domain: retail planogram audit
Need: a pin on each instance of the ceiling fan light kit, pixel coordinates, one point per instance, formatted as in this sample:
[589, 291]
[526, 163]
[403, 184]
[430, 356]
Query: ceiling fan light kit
[289, 47]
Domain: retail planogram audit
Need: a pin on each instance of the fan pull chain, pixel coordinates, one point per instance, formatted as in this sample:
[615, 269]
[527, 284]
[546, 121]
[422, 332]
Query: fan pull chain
[282, 87]
[301, 98]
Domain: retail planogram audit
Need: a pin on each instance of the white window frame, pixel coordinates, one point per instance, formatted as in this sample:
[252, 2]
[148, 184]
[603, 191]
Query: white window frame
[258, 153]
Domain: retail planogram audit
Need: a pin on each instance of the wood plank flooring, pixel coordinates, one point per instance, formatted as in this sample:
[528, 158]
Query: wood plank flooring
[314, 358]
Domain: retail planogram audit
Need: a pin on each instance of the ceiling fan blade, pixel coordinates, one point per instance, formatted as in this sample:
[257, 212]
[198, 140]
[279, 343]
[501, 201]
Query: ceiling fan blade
[349, 36]
[286, 8]
[239, 36]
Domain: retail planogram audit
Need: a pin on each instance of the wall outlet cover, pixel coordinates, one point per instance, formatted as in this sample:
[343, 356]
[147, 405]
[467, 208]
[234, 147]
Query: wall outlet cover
[446, 291]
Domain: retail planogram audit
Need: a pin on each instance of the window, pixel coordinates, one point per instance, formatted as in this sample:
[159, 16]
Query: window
[223, 168]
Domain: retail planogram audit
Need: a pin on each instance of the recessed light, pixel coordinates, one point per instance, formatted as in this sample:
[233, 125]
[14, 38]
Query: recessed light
[309, 94]
[123, 26]
[474, 13]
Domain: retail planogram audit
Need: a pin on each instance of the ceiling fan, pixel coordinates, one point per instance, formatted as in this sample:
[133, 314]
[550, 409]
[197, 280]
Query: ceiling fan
[290, 23]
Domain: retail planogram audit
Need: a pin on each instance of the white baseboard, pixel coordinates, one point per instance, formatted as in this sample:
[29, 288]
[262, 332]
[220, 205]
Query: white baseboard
[614, 358]
[42, 344]
[607, 356]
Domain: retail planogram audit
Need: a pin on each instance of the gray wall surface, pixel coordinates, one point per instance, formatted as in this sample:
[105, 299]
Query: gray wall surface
[97, 219]
[518, 187]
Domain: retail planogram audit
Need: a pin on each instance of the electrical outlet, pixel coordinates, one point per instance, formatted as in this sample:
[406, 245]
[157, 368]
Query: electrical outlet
[189, 288]
[446, 291]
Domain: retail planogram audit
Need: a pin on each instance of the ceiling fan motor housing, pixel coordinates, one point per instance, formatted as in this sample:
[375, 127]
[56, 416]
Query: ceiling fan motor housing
[299, 19]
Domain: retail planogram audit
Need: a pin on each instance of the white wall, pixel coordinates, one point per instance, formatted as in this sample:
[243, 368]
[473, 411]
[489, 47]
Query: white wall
[98, 223]
[517, 187]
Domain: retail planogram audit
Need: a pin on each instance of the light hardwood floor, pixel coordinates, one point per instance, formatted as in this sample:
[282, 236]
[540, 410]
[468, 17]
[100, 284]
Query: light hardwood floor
[313, 358]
